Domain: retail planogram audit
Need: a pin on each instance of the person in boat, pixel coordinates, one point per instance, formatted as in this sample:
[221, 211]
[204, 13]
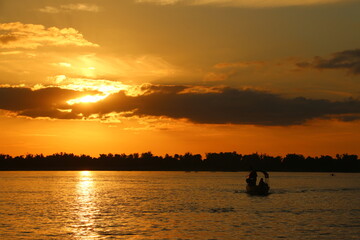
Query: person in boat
[262, 183]
[251, 180]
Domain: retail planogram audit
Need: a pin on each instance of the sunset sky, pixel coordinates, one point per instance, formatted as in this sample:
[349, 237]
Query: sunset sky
[176, 76]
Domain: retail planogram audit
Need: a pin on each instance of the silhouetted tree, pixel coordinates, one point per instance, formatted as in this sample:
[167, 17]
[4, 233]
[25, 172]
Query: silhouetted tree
[223, 161]
[294, 162]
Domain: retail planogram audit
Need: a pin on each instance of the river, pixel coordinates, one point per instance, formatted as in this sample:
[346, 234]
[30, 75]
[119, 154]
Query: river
[176, 205]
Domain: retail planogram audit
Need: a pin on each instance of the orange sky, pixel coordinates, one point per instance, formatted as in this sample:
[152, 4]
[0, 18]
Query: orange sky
[180, 76]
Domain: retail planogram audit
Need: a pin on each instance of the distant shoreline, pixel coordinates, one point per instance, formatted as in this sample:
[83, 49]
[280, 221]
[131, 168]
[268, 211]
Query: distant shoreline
[213, 162]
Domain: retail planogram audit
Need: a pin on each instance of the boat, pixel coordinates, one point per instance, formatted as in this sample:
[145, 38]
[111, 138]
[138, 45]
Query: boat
[262, 188]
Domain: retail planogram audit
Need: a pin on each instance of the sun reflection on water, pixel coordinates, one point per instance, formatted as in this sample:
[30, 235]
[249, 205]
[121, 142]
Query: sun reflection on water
[86, 209]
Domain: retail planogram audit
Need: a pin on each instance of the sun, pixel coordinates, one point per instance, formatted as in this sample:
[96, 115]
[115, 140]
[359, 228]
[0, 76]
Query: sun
[85, 173]
[87, 99]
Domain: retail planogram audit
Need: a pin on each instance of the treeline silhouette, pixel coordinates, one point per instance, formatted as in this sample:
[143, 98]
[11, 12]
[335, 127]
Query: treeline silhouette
[223, 161]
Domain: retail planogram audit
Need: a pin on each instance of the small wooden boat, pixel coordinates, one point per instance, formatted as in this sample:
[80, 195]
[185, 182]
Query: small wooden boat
[258, 190]
[262, 188]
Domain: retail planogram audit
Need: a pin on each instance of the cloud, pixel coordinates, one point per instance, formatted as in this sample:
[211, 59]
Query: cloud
[218, 77]
[85, 7]
[225, 70]
[49, 9]
[348, 60]
[47, 102]
[216, 106]
[228, 105]
[103, 86]
[243, 64]
[32, 36]
[244, 3]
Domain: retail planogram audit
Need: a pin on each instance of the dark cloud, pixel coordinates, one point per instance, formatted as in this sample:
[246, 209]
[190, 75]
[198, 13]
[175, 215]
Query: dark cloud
[147, 89]
[223, 106]
[348, 60]
[226, 106]
[50, 112]
[44, 102]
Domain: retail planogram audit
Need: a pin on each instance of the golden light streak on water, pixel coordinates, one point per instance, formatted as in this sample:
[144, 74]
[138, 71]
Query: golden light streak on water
[86, 209]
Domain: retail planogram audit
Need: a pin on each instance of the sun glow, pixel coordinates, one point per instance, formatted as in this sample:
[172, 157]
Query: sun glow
[86, 84]
[85, 173]
[105, 87]
[87, 99]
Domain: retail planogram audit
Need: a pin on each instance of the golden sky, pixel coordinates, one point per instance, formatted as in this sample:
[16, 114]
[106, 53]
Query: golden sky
[176, 76]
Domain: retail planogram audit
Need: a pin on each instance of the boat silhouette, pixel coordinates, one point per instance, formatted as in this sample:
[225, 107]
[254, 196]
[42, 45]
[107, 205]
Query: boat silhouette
[262, 188]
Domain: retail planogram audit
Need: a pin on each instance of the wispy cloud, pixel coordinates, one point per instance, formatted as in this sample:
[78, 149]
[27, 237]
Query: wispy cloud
[348, 60]
[32, 36]
[225, 70]
[85, 7]
[105, 87]
[243, 64]
[244, 3]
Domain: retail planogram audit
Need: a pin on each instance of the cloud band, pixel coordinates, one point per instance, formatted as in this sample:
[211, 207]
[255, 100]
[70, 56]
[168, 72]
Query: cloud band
[223, 106]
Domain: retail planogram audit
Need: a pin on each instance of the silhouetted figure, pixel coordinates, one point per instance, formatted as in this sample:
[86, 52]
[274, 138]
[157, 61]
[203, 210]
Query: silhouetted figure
[262, 183]
[253, 174]
[251, 180]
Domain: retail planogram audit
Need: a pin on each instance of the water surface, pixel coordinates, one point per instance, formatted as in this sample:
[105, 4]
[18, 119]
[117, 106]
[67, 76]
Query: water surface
[177, 205]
